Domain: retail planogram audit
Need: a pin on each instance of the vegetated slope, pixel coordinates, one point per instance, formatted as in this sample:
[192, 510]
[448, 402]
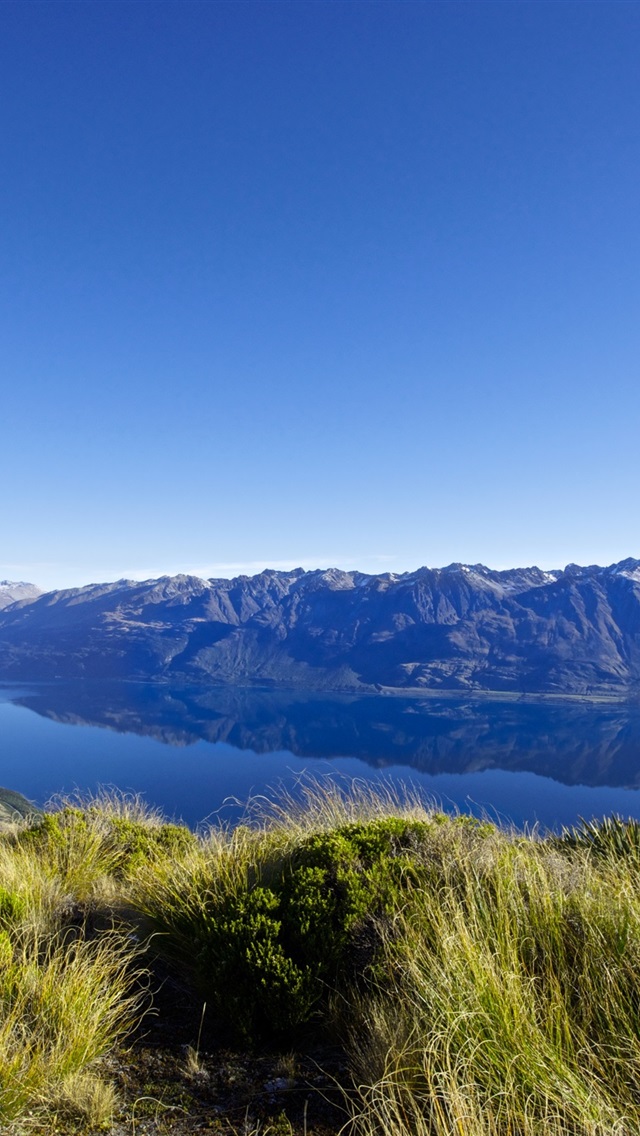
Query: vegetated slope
[419, 970]
[456, 628]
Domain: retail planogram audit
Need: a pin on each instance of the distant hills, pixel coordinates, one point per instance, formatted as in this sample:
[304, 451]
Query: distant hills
[12, 591]
[460, 628]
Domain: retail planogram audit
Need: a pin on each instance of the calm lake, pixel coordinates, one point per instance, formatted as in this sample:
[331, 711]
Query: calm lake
[190, 750]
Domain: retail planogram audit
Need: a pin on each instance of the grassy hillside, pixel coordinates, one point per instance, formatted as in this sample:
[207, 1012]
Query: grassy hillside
[14, 807]
[347, 962]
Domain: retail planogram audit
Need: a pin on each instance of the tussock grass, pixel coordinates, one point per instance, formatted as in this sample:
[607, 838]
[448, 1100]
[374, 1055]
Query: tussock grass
[484, 982]
[319, 804]
[70, 979]
[63, 1004]
[512, 1002]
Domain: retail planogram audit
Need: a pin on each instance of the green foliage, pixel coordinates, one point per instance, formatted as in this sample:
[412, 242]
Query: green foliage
[269, 948]
[49, 827]
[242, 961]
[12, 908]
[135, 842]
[337, 883]
[108, 843]
[488, 983]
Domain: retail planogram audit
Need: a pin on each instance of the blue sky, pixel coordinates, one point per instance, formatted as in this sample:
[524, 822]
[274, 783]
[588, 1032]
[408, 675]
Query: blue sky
[317, 283]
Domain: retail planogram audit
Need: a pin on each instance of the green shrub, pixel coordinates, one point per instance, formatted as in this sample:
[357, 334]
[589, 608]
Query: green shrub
[270, 945]
[106, 843]
[134, 842]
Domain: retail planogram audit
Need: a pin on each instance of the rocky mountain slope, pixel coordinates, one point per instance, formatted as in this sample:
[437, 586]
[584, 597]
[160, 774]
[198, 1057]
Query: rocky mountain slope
[11, 591]
[457, 628]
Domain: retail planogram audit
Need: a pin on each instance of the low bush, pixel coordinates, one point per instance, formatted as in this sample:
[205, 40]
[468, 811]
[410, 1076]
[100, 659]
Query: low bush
[270, 946]
[87, 843]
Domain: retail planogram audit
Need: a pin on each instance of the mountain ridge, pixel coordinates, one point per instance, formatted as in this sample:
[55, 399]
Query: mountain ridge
[461, 627]
[14, 590]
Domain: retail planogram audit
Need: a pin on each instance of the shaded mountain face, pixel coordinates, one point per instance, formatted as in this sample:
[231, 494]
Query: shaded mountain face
[459, 628]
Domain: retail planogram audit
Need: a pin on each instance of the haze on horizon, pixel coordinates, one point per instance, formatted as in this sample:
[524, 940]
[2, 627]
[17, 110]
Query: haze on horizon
[349, 284]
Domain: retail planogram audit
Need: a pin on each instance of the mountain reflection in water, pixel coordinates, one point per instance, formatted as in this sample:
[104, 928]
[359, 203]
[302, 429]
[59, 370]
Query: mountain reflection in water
[576, 743]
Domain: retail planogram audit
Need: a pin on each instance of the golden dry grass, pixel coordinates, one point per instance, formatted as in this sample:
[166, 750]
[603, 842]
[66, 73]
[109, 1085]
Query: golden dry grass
[504, 1000]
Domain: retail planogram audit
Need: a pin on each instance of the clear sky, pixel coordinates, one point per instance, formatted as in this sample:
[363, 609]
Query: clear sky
[314, 283]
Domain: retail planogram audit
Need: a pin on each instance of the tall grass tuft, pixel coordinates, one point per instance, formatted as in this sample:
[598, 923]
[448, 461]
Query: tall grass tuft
[70, 983]
[63, 1004]
[512, 1001]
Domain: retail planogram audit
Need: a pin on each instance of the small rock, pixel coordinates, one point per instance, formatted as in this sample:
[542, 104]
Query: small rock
[279, 1084]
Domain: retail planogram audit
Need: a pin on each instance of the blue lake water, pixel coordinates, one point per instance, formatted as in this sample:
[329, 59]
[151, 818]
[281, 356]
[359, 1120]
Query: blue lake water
[188, 750]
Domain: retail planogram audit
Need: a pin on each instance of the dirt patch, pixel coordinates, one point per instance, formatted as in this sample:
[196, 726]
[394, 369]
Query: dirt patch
[178, 1077]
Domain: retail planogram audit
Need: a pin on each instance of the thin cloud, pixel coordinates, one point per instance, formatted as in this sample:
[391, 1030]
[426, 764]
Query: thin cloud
[57, 575]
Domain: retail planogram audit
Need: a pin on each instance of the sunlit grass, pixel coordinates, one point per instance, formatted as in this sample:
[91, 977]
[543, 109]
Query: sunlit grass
[71, 984]
[512, 1003]
[483, 982]
[63, 1005]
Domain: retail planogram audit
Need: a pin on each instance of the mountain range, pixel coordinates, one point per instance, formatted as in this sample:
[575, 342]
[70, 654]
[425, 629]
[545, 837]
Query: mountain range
[459, 628]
